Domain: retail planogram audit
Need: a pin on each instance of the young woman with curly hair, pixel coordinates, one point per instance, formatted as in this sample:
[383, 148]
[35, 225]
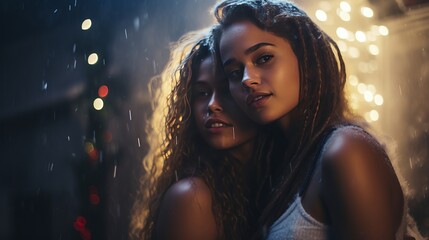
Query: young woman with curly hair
[197, 180]
[334, 179]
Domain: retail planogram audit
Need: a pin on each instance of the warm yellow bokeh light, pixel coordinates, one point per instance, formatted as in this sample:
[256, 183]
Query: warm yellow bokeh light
[374, 115]
[345, 6]
[353, 52]
[342, 33]
[373, 49]
[368, 96]
[353, 80]
[378, 99]
[98, 104]
[360, 36]
[321, 15]
[383, 30]
[361, 88]
[92, 59]
[86, 24]
[367, 12]
[342, 46]
[345, 16]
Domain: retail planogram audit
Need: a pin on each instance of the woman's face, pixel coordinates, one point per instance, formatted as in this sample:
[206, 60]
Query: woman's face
[262, 70]
[220, 121]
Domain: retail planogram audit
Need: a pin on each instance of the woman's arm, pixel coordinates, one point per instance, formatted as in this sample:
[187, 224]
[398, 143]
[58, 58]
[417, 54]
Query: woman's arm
[360, 187]
[186, 212]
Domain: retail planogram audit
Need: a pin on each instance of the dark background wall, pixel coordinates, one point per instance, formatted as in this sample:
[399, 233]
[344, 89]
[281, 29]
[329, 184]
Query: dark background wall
[68, 171]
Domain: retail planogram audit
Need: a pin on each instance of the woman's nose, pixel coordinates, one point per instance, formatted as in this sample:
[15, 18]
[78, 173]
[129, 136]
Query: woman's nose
[214, 103]
[250, 79]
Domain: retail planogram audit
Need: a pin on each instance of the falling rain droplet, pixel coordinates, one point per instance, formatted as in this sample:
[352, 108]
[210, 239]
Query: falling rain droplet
[233, 132]
[154, 67]
[44, 85]
[114, 172]
[126, 34]
[411, 163]
[56, 10]
[68, 138]
[177, 176]
[138, 141]
[129, 114]
[176, 140]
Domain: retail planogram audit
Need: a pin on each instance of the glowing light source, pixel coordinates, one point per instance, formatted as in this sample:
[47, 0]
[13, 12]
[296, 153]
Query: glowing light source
[373, 114]
[371, 88]
[367, 12]
[342, 46]
[86, 24]
[103, 91]
[342, 33]
[383, 30]
[353, 80]
[361, 88]
[378, 99]
[368, 96]
[353, 52]
[360, 36]
[98, 104]
[345, 16]
[373, 49]
[92, 59]
[345, 6]
[321, 15]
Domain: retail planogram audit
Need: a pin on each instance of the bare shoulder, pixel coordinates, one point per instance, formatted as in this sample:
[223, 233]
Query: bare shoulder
[189, 191]
[360, 187]
[350, 147]
[186, 211]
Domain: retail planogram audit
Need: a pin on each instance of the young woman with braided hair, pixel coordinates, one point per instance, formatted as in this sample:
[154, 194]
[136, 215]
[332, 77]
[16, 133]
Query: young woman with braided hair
[196, 184]
[334, 180]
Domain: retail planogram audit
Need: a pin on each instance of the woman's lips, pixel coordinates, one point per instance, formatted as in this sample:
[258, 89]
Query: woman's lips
[257, 99]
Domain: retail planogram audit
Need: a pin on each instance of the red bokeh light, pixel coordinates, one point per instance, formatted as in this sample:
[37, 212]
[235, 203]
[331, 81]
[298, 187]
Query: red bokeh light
[103, 91]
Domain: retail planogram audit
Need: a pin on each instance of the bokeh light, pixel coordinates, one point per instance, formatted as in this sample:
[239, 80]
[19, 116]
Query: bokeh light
[103, 91]
[92, 59]
[98, 104]
[321, 15]
[86, 24]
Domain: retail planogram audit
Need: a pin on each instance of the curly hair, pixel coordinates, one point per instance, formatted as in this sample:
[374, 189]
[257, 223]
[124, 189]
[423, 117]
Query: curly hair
[322, 103]
[176, 149]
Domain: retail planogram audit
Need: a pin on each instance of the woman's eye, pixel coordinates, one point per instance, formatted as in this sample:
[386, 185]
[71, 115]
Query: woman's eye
[235, 75]
[264, 59]
[201, 92]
